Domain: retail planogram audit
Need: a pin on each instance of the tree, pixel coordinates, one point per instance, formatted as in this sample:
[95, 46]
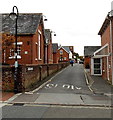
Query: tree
[76, 55]
[6, 43]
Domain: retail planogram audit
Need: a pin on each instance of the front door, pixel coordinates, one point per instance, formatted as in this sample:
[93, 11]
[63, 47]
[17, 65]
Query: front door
[97, 66]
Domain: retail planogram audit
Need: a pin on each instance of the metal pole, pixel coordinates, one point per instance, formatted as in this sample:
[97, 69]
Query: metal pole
[16, 62]
[111, 49]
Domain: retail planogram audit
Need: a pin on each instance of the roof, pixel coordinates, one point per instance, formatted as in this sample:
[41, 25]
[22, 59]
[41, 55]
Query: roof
[67, 48]
[27, 23]
[71, 48]
[106, 22]
[89, 50]
[55, 47]
[104, 26]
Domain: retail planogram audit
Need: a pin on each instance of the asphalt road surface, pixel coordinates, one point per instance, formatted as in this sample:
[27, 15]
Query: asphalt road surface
[65, 95]
[70, 80]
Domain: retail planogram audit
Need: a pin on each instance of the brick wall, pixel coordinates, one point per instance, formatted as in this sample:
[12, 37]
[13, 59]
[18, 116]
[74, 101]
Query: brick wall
[29, 75]
[105, 39]
[7, 78]
[49, 53]
[87, 62]
[55, 58]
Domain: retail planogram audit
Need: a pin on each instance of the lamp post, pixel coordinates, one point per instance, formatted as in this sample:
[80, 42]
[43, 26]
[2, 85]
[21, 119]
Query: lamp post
[14, 16]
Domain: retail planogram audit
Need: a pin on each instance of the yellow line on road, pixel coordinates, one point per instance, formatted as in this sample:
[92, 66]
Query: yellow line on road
[67, 106]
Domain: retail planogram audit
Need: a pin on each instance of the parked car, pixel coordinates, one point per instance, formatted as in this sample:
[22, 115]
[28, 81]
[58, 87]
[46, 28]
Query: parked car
[81, 62]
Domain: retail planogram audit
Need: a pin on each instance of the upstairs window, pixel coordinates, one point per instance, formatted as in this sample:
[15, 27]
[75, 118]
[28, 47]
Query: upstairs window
[39, 45]
[61, 52]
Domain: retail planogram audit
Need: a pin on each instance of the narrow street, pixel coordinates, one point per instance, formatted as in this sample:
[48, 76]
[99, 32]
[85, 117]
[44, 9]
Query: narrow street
[65, 95]
[69, 81]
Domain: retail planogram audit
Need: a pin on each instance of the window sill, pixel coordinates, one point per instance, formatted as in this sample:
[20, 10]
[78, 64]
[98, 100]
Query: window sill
[12, 57]
[39, 59]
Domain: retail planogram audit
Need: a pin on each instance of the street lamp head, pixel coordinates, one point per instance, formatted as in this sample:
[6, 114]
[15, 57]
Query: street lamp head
[45, 19]
[54, 34]
[13, 15]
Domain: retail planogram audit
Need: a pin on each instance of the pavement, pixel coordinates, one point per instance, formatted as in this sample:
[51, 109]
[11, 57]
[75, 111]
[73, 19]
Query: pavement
[4, 96]
[98, 85]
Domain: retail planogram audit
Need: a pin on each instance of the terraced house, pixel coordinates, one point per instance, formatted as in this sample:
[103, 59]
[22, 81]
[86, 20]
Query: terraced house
[31, 39]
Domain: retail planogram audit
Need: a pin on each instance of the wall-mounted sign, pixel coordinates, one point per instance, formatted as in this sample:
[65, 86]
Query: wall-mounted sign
[26, 52]
[30, 68]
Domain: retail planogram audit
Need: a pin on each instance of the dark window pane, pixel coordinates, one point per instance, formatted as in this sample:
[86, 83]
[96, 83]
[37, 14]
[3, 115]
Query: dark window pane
[97, 60]
[96, 65]
[97, 71]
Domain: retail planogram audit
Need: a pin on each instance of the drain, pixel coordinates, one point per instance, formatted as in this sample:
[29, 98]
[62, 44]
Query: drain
[18, 104]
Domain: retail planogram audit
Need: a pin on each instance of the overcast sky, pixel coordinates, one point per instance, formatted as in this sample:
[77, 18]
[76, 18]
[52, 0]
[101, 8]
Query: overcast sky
[76, 22]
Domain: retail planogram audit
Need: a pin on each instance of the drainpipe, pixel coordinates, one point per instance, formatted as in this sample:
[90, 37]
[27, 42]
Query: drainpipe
[111, 47]
[107, 68]
[111, 52]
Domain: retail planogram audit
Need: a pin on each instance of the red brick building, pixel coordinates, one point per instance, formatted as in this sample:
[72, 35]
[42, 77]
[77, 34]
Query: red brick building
[55, 51]
[88, 53]
[30, 38]
[48, 47]
[71, 48]
[64, 54]
[106, 51]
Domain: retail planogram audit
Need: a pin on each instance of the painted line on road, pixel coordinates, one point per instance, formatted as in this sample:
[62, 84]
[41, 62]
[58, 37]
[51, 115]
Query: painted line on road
[86, 77]
[78, 88]
[72, 87]
[87, 82]
[66, 86]
[69, 106]
[37, 89]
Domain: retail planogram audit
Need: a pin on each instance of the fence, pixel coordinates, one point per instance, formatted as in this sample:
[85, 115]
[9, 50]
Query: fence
[28, 75]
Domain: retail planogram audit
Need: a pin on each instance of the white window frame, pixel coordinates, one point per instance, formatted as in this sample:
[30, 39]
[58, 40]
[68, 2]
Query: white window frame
[18, 51]
[92, 67]
[39, 45]
[65, 58]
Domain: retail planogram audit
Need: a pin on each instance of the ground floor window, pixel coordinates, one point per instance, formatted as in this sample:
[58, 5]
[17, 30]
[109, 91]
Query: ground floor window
[96, 66]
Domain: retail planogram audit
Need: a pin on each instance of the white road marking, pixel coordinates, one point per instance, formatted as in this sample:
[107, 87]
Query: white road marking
[37, 89]
[2, 104]
[78, 88]
[72, 87]
[87, 82]
[29, 93]
[67, 106]
[48, 86]
[66, 86]
[56, 85]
